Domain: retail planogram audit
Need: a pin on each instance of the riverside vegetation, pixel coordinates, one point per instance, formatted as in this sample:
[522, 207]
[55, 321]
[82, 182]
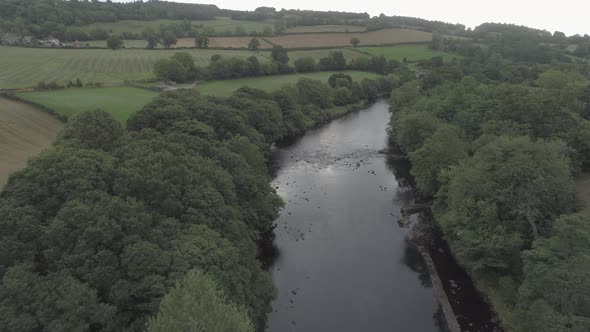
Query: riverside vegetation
[109, 228]
[119, 228]
[496, 139]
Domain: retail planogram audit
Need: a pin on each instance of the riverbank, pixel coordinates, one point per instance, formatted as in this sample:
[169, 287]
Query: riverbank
[339, 260]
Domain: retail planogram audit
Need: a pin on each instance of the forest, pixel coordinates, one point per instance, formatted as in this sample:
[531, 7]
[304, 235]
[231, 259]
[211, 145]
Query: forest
[123, 229]
[495, 140]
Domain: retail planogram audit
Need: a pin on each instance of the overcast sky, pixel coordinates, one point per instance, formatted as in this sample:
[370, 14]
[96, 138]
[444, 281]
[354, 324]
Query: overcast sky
[569, 16]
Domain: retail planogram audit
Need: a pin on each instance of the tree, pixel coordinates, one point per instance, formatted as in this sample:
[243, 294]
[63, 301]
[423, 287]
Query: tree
[304, 65]
[554, 295]
[170, 69]
[355, 41]
[314, 92]
[202, 41]
[279, 54]
[152, 37]
[504, 197]
[187, 61]
[168, 39]
[92, 130]
[114, 42]
[196, 304]
[440, 151]
[254, 44]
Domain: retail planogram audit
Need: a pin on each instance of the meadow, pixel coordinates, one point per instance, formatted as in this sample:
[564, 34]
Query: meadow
[409, 52]
[24, 132]
[221, 25]
[25, 67]
[269, 83]
[121, 102]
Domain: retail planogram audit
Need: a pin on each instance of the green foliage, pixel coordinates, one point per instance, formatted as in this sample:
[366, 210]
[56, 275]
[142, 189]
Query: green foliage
[279, 54]
[554, 295]
[202, 41]
[412, 130]
[92, 130]
[355, 41]
[115, 42]
[254, 44]
[170, 70]
[443, 149]
[314, 92]
[152, 37]
[195, 304]
[304, 65]
[509, 193]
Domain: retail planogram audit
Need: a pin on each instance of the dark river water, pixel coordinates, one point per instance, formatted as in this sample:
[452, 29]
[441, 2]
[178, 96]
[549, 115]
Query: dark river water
[343, 263]
[339, 260]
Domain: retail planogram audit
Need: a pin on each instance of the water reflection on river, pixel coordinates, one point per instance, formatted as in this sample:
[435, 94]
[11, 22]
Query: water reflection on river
[342, 262]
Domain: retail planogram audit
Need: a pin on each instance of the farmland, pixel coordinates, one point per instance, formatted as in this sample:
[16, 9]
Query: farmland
[221, 25]
[24, 132]
[409, 52]
[25, 67]
[380, 37]
[224, 42]
[120, 101]
[325, 28]
[269, 83]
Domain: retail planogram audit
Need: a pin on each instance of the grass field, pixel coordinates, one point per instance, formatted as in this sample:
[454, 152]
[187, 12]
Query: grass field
[25, 67]
[325, 28]
[222, 25]
[410, 52]
[349, 53]
[24, 132]
[269, 83]
[380, 37]
[121, 101]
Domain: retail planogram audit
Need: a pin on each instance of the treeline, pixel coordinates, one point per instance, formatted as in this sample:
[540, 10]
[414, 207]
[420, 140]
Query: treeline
[42, 18]
[154, 226]
[181, 68]
[496, 142]
[403, 22]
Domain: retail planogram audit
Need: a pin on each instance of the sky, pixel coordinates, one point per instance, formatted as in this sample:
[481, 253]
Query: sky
[569, 16]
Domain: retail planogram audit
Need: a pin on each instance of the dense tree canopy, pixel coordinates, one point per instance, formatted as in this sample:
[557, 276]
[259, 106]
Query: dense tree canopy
[495, 139]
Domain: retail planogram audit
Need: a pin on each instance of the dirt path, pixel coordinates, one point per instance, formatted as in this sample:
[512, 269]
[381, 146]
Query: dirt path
[24, 132]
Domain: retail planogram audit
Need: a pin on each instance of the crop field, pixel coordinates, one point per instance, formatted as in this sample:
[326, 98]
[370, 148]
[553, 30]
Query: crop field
[121, 102]
[25, 67]
[325, 28]
[221, 25]
[269, 83]
[380, 37]
[224, 42]
[410, 52]
[24, 132]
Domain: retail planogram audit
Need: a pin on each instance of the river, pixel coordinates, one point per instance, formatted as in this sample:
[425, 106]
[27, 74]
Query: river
[339, 259]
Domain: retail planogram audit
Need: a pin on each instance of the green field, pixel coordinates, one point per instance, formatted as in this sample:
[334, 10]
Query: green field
[121, 101]
[349, 53]
[222, 25]
[410, 52]
[269, 83]
[25, 67]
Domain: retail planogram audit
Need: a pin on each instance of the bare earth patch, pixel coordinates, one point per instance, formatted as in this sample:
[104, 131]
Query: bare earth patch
[24, 132]
[380, 37]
